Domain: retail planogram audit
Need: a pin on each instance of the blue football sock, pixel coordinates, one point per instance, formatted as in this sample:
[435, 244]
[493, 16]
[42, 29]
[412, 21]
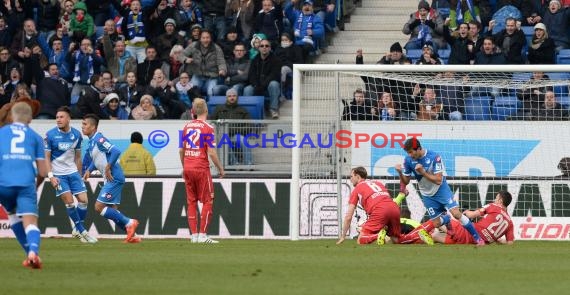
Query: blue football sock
[33, 237]
[113, 214]
[468, 225]
[82, 210]
[18, 229]
[73, 214]
[445, 219]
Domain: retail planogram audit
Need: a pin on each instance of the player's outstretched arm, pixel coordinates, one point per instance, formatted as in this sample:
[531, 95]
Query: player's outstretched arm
[346, 223]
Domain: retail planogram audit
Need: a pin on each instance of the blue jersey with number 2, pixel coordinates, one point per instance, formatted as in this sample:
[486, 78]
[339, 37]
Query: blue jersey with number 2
[20, 147]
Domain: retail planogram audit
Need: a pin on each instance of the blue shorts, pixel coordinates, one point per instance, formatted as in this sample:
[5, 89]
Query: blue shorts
[111, 193]
[438, 205]
[70, 183]
[23, 199]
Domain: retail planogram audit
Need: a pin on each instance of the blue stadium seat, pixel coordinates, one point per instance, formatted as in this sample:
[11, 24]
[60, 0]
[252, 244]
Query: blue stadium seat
[253, 104]
[502, 112]
[528, 33]
[521, 76]
[507, 101]
[563, 57]
[444, 55]
[414, 54]
[564, 101]
[562, 88]
[478, 108]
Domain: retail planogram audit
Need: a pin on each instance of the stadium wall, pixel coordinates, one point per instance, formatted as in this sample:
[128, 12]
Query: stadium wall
[259, 208]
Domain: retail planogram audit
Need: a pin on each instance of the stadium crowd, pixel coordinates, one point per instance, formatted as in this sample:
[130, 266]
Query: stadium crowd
[148, 59]
[102, 57]
[479, 32]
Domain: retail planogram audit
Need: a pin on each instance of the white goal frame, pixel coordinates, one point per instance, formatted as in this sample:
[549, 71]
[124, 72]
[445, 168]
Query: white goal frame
[298, 70]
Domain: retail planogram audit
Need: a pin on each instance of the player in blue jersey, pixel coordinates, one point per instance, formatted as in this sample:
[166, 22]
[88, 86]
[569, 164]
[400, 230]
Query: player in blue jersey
[104, 156]
[427, 168]
[63, 154]
[20, 149]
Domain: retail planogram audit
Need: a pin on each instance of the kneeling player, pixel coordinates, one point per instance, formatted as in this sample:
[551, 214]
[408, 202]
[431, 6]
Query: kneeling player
[377, 202]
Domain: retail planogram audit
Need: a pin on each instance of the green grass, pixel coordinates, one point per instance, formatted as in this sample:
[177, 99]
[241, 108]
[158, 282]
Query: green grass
[285, 267]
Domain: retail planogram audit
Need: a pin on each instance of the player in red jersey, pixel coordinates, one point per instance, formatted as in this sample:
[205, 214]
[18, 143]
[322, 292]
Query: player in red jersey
[494, 224]
[199, 144]
[378, 205]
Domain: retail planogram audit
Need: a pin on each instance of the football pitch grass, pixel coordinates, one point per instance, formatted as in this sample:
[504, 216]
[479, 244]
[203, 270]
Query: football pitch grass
[284, 267]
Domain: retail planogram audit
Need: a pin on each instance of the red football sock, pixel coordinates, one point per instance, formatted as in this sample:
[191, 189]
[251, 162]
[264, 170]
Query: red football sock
[428, 226]
[205, 217]
[367, 239]
[192, 212]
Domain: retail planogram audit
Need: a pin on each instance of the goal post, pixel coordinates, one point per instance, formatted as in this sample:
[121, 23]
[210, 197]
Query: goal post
[500, 134]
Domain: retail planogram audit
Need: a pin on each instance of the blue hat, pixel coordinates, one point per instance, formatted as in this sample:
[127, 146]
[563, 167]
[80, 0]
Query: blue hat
[308, 2]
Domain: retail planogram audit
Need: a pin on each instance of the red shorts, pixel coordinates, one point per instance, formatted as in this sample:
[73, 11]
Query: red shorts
[460, 234]
[384, 214]
[199, 185]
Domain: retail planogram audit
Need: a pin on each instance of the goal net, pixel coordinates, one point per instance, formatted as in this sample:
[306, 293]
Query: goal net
[495, 127]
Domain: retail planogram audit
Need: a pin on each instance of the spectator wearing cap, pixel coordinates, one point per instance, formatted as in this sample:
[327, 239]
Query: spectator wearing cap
[195, 32]
[307, 26]
[255, 41]
[429, 57]
[269, 20]
[424, 25]
[242, 14]
[510, 40]
[162, 12]
[136, 159]
[81, 25]
[119, 60]
[188, 14]
[168, 39]
[557, 21]
[394, 56]
[232, 111]
[461, 44]
[112, 109]
[229, 42]
[10, 85]
[541, 49]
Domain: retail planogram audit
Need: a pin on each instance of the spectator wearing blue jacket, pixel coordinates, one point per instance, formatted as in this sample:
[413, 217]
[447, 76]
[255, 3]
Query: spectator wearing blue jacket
[308, 27]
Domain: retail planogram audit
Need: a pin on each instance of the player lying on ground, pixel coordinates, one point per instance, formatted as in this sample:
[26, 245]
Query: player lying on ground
[494, 224]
